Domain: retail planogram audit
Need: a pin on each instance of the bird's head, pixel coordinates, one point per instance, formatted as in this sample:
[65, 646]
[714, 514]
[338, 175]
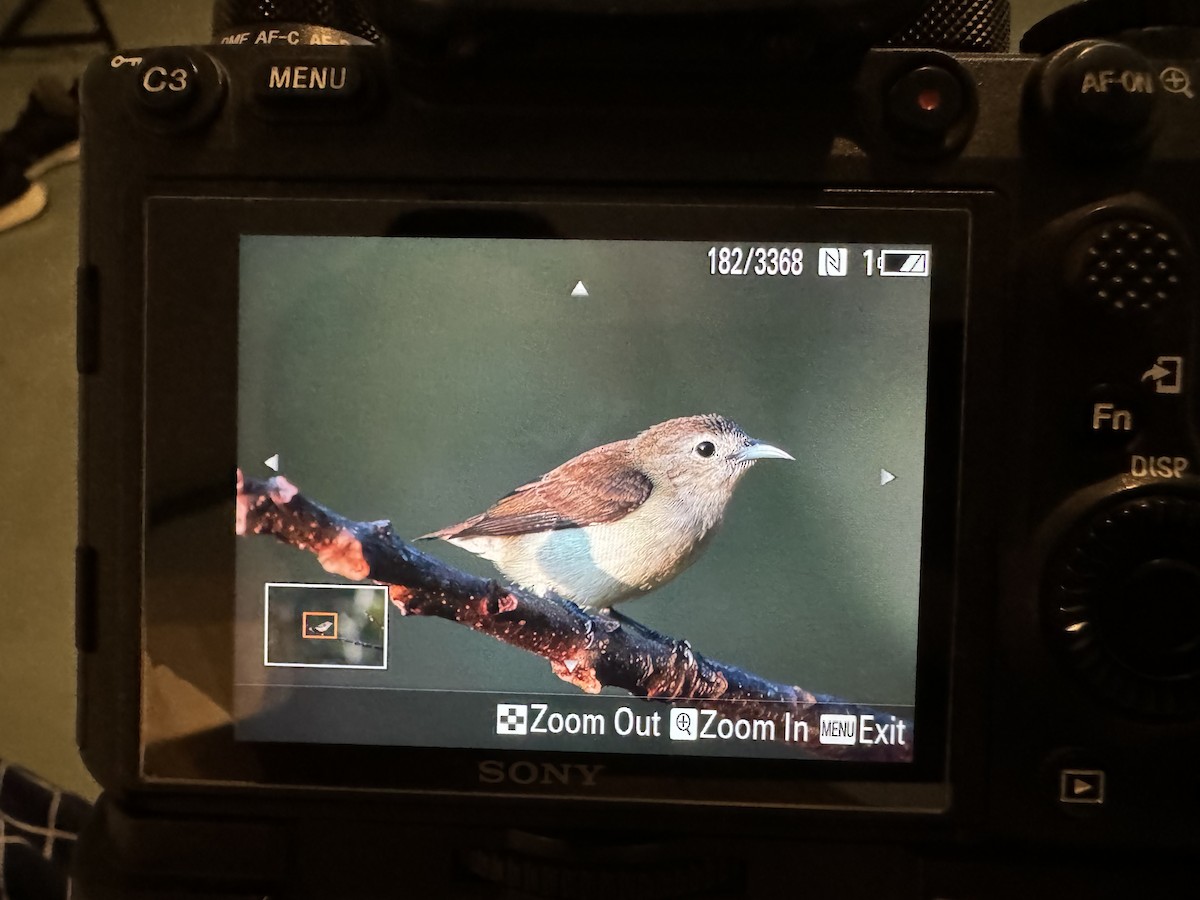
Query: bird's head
[702, 456]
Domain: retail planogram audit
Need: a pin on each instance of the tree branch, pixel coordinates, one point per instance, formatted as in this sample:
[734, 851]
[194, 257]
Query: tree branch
[586, 649]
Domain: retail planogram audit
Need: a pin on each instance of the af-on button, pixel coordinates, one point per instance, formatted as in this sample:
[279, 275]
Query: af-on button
[1101, 96]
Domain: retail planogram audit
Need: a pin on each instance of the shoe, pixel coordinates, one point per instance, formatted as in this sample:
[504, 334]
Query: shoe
[46, 134]
[20, 199]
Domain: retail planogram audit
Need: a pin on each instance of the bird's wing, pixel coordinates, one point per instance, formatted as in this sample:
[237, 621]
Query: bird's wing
[598, 486]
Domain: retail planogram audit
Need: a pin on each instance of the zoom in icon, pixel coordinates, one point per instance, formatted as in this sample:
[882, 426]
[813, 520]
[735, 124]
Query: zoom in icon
[685, 724]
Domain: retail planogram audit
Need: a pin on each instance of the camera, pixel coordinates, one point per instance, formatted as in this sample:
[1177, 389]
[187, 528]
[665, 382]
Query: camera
[676, 449]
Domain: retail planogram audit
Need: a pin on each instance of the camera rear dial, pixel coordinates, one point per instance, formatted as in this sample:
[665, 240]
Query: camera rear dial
[1123, 604]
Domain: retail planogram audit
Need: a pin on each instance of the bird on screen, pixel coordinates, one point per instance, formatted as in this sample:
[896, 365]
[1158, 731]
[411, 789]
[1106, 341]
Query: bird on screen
[619, 520]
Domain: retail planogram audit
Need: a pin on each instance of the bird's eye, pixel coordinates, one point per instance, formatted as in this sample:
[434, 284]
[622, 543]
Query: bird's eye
[705, 449]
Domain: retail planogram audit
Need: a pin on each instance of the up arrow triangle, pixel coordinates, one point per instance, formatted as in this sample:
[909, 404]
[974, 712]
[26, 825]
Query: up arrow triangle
[885, 477]
[580, 290]
[273, 463]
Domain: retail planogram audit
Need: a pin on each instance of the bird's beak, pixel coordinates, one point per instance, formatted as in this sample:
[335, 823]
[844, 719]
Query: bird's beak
[758, 450]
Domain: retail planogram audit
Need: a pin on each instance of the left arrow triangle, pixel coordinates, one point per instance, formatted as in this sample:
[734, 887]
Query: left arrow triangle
[272, 462]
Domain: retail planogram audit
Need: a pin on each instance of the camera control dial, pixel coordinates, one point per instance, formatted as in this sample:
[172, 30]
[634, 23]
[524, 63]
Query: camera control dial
[1123, 604]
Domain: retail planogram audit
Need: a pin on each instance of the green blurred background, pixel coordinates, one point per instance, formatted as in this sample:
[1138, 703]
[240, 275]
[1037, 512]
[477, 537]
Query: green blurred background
[419, 380]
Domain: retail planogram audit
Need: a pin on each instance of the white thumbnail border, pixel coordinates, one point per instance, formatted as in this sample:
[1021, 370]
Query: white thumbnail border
[300, 584]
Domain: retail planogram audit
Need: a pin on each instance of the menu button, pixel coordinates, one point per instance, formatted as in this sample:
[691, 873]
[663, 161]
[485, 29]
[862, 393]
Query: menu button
[311, 80]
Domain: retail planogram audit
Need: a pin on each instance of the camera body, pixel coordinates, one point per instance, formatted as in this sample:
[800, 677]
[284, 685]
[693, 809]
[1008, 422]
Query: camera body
[1057, 681]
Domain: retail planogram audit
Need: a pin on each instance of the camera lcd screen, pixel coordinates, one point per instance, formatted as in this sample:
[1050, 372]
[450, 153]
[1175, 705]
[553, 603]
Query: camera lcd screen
[716, 446]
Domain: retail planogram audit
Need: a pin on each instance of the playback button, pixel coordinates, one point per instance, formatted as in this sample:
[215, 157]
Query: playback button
[1081, 787]
[1077, 782]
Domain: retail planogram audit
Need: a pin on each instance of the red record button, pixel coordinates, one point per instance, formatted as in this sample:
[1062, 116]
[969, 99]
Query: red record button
[927, 102]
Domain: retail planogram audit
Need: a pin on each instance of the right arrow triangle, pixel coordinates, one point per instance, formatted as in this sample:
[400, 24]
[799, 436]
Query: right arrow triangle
[886, 477]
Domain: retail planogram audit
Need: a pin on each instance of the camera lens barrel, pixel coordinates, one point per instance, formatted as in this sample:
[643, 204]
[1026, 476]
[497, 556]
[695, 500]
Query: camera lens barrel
[954, 25]
[293, 21]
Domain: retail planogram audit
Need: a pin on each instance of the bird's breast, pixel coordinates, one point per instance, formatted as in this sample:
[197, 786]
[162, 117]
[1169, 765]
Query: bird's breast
[599, 565]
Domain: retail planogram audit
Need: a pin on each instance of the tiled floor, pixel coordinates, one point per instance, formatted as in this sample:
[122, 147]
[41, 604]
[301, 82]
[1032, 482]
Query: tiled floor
[38, 396]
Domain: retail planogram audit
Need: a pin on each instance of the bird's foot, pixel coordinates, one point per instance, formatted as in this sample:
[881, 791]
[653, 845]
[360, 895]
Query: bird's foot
[608, 619]
[621, 620]
[589, 632]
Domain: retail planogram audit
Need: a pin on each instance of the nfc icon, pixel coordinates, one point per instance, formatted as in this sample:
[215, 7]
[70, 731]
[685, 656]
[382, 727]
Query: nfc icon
[832, 262]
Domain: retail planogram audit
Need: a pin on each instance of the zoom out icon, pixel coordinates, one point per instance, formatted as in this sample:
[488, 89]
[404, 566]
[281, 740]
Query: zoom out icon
[685, 724]
[512, 718]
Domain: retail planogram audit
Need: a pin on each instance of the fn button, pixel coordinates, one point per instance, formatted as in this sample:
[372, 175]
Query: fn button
[1112, 415]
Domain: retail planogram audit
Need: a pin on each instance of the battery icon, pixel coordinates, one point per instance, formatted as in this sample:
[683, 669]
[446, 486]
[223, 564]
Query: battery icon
[904, 263]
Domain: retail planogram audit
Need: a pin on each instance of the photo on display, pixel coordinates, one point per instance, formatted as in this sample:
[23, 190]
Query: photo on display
[684, 457]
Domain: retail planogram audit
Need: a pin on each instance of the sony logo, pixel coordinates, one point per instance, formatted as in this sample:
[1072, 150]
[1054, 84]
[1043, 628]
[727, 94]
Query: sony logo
[493, 771]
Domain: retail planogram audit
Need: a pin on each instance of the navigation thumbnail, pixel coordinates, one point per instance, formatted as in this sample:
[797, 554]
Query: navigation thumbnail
[340, 626]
